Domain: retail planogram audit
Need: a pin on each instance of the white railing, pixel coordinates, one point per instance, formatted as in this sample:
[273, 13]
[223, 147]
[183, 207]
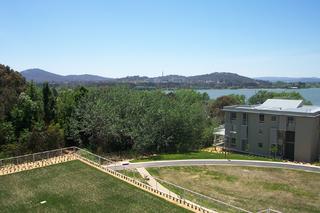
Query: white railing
[29, 158]
[93, 157]
[199, 195]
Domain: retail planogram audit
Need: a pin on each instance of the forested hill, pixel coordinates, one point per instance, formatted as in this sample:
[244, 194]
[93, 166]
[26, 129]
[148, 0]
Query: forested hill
[213, 80]
[41, 76]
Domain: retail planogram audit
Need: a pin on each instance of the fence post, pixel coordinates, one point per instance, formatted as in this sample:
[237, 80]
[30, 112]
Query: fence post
[184, 192]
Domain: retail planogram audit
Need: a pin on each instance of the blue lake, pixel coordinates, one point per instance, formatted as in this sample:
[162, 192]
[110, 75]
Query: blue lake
[311, 94]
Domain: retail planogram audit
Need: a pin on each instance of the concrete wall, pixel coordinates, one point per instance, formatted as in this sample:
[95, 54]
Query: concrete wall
[307, 139]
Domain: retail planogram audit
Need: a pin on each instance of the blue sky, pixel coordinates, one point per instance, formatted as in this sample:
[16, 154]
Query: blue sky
[146, 37]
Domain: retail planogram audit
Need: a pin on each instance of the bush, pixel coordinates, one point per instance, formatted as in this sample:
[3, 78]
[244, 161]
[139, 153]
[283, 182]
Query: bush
[262, 95]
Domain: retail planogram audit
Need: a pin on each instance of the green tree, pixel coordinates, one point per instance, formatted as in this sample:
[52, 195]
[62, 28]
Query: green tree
[48, 103]
[6, 133]
[36, 141]
[118, 118]
[262, 95]
[24, 113]
[54, 137]
[216, 107]
[11, 85]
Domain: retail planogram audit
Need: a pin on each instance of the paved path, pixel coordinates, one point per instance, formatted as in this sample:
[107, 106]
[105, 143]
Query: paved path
[193, 162]
[155, 184]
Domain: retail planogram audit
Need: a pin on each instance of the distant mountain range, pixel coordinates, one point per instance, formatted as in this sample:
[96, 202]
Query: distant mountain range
[216, 79]
[289, 80]
[40, 76]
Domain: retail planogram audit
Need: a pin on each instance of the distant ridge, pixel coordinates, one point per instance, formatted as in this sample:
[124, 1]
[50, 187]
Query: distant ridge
[216, 79]
[40, 76]
[289, 79]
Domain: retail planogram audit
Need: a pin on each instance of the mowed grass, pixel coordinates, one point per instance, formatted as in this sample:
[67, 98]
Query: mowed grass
[250, 188]
[75, 187]
[202, 155]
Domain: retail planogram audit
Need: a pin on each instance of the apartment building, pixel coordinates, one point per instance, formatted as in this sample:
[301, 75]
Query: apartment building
[278, 127]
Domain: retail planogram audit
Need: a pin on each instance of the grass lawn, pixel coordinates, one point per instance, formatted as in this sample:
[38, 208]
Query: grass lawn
[75, 187]
[201, 155]
[250, 188]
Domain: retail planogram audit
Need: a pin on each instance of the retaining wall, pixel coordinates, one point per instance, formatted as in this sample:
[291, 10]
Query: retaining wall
[9, 169]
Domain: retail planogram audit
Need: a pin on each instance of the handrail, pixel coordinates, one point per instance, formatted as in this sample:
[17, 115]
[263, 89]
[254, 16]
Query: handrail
[36, 153]
[205, 196]
[98, 156]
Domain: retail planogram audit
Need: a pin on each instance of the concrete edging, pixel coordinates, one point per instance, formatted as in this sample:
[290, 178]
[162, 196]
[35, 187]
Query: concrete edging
[199, 162]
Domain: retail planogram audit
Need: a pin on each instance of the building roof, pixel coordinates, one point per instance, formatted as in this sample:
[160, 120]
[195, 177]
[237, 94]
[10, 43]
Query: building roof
[280, 104]
[279, 107]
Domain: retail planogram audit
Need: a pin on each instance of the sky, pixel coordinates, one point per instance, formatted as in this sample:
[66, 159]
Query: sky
[147, 37]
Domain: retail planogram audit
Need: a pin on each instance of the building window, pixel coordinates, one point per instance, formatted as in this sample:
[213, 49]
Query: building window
[261, 118]
[273, 118]
[233, 116]
[290, 136]
[244, 119]
[290, 120]
[260, 145]
[260, 131]
[233, 142]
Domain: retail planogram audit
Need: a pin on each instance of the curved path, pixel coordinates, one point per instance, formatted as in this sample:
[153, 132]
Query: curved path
[194, 162]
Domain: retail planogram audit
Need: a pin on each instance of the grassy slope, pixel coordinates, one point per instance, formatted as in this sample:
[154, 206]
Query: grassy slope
[74, 187]
[201, 155]
[249, 187]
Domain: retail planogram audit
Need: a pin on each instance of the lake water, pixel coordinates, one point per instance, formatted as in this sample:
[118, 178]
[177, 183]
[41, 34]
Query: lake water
[311, 94]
